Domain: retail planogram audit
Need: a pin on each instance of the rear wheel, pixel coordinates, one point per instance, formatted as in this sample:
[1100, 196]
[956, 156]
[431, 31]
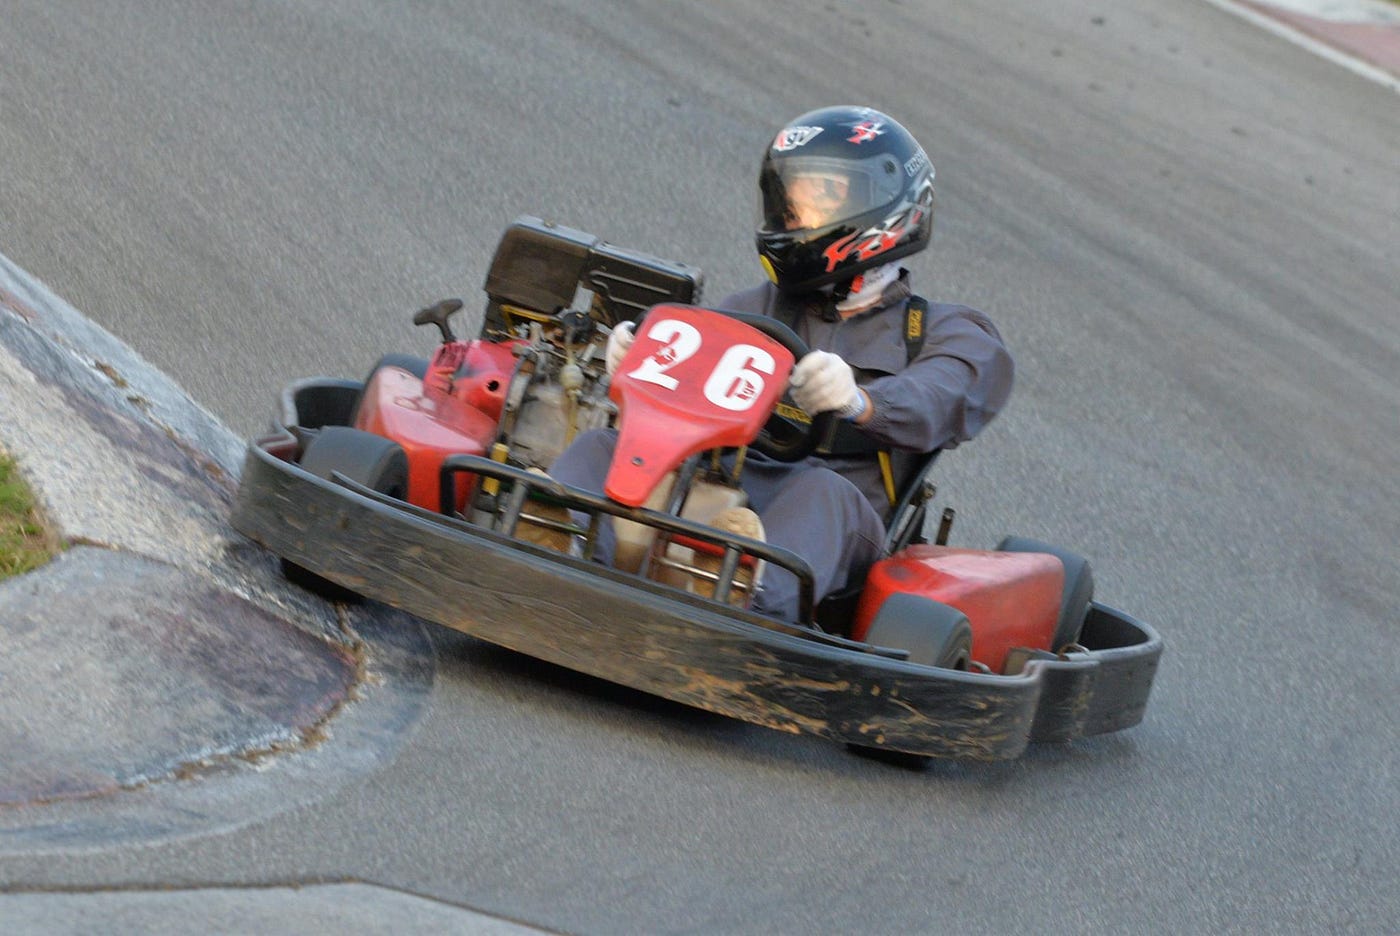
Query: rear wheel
[935, 634]
[1078, 591]
[416, 366]
[363, 457]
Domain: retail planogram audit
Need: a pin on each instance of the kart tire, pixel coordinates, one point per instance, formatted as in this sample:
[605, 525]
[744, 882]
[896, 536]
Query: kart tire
[363, 457]
[416, 366]
[935, 634]
[1078, 591]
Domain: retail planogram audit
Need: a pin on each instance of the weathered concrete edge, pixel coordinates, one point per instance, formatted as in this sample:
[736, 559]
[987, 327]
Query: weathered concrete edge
[120, 407]
[162, 400]
[396, 667]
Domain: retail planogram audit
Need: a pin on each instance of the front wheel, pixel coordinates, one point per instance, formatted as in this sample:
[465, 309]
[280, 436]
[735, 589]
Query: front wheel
[363, 457]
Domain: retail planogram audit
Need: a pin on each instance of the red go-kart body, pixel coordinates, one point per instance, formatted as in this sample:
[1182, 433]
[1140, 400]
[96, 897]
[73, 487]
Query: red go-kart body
[697, 380]
[1010, 599]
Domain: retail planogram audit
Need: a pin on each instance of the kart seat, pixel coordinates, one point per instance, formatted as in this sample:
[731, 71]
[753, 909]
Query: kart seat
[905, 523]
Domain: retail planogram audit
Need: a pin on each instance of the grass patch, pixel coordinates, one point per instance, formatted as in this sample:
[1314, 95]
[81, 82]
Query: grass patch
[24, 543]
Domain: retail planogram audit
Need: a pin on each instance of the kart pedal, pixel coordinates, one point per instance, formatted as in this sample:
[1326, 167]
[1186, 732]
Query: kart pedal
[740, 521]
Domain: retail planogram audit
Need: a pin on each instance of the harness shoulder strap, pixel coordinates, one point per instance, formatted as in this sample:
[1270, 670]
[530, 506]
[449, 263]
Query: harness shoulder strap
[847, 439]
[914, 314]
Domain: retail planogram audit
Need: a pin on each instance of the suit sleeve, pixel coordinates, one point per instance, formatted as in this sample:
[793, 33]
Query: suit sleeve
[960, 380]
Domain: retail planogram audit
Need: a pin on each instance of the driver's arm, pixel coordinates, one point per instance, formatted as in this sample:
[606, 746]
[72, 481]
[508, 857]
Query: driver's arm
[960, 380]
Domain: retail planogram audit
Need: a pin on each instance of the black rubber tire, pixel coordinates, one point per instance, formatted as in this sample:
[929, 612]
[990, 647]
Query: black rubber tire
[365, 458]
[416, 366]
[1078, 591]
[935, 634]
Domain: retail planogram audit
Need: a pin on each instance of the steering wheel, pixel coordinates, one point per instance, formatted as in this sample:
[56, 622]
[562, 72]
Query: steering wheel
[785, 437]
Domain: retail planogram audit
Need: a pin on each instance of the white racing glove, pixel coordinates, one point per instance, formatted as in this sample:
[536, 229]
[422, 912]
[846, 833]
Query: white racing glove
[618, 342]
[822, 381]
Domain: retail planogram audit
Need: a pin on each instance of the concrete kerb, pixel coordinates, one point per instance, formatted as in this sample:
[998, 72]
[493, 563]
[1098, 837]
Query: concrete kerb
[1362, 36]
[161, 659]
[159, 679]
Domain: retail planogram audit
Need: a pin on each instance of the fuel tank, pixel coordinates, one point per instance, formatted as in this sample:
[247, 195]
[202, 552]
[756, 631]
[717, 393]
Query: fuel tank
[1011, 599]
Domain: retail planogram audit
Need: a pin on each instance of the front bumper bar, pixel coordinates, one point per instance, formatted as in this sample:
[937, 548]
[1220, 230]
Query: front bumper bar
[621, 628]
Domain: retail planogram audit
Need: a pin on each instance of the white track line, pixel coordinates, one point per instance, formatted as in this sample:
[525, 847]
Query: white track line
[1315, 46]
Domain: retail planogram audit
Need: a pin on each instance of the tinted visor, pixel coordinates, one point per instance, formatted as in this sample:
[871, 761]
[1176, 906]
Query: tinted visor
[803, 193]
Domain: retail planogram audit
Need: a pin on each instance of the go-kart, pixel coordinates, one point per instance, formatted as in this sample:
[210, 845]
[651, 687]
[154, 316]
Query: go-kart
[426, 487]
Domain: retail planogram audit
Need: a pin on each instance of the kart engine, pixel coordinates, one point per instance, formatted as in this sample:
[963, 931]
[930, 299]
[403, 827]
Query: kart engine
[560, 388]
[559, 391]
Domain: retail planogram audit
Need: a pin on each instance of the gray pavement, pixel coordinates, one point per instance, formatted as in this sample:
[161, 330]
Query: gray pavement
[282, 699]
[317, 908]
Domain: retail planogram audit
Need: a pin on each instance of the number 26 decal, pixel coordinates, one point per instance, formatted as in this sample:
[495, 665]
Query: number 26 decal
[735, 383]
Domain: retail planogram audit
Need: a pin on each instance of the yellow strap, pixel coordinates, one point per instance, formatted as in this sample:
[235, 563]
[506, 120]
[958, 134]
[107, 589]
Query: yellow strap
[887, 473]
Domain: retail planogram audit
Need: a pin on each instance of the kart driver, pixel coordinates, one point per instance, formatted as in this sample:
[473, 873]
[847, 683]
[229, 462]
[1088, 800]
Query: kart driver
[844, 192]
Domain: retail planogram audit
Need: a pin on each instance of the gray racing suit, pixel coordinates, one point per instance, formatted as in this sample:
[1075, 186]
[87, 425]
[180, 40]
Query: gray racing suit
[831, 509]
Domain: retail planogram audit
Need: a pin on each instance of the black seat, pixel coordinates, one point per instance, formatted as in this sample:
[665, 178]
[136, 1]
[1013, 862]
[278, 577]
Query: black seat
[906, 521]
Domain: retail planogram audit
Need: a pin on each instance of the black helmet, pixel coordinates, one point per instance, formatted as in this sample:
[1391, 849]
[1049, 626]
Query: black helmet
[841, 190]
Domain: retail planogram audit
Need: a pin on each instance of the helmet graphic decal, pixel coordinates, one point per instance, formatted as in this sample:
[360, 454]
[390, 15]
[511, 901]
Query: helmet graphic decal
[876, 240]
[793, 137]
[865, 131]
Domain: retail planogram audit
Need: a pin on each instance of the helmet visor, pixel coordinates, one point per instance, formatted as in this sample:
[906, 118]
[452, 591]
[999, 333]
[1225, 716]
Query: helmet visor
[805, 193]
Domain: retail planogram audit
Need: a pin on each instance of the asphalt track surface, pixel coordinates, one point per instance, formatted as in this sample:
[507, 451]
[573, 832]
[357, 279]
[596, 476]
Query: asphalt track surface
[1189, 231]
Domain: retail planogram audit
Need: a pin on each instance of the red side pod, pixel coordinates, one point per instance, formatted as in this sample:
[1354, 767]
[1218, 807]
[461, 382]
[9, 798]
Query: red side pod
[429, 426]
[1011, 599]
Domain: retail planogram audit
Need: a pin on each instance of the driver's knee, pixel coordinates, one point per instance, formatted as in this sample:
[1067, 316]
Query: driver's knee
[824, 518]
[584, 464]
